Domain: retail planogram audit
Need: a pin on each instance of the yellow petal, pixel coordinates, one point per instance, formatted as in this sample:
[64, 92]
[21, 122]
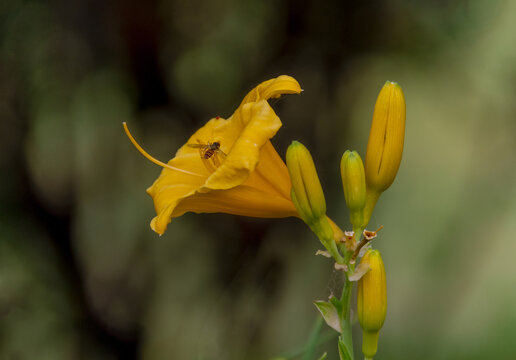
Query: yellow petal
[273, 88]
[260, 124]
[241, 200]
[273, 170]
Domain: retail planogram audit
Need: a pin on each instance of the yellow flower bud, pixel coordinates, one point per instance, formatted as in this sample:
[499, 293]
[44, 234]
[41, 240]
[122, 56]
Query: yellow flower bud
[308, 197]
[307, 193]
[371, 301]
[354, 184]
[385, 145]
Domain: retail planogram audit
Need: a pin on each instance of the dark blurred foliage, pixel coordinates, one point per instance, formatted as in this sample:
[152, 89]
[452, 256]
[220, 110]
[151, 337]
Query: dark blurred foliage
[82, 276]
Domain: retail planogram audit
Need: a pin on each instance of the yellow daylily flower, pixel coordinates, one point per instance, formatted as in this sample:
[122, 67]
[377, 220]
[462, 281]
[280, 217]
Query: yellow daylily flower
[228, 165]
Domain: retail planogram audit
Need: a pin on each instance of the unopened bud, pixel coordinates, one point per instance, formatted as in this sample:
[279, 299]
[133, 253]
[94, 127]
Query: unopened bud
[354, 184]
[385, 145]
[308, 198]
[371, 301]
[307, 193]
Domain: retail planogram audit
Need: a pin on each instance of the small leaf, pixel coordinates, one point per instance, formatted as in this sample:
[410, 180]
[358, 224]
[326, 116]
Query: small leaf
[323, 357]
[323, 253]
[329, 313]
[344, 352]
[342, 267]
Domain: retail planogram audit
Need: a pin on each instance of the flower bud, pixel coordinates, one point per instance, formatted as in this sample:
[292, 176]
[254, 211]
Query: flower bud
[354, 184]
[307, 193]
[308, 198]
[385, 145]
[371, 301]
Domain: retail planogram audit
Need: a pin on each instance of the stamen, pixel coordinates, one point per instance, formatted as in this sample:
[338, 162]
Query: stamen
[155, 161]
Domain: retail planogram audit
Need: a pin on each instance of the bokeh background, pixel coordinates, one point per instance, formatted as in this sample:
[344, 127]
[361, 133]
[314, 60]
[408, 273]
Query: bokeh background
[82, 276]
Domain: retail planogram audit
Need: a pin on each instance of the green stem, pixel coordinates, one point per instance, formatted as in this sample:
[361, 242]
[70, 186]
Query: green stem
[324, 232]
[312, 340]
[371, 200]
[330, 245]
[358, 234]
[345, 319]
[345, 297]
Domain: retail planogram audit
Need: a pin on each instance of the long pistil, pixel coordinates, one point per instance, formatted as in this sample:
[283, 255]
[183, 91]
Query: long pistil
[155, 161]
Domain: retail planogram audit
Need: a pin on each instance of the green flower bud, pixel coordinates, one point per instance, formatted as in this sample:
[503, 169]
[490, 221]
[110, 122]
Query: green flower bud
[354, 184]
[371, 301]
[385, 145]
[307, 193]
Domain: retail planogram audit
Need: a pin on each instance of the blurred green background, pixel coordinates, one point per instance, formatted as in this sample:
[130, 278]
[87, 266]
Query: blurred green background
[82, 276]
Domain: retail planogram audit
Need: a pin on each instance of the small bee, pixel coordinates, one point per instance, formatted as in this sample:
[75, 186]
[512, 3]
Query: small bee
[209, 151]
